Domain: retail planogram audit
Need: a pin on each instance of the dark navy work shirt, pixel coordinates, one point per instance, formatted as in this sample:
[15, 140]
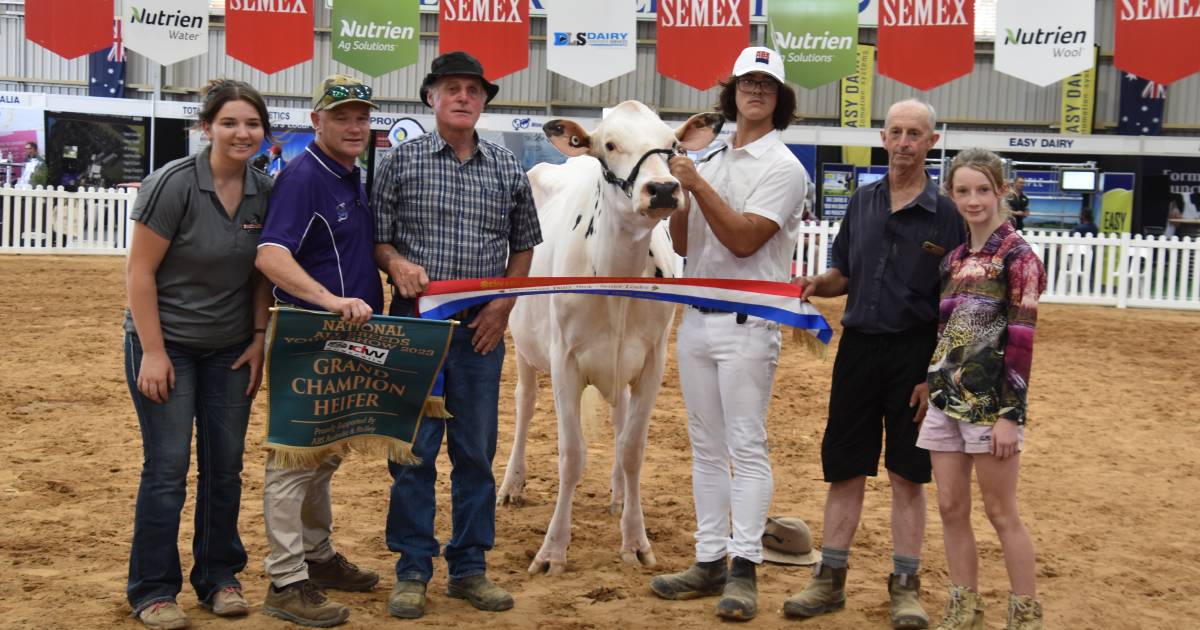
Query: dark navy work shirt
[318, 212]
[893, 273]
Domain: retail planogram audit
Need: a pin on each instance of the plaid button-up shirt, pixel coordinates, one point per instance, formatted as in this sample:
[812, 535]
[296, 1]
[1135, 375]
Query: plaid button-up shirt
[456, 219]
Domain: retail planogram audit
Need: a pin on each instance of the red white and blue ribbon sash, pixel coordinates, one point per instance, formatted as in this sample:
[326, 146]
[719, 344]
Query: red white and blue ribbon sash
[776, 301]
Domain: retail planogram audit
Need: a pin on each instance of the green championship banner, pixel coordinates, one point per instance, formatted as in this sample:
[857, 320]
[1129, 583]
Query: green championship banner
[375, 37]
[856, 103]
[1079, 100]
[333, 384]
[818, 39]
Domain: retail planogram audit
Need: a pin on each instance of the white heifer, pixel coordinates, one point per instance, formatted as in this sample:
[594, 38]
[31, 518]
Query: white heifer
[599, 214]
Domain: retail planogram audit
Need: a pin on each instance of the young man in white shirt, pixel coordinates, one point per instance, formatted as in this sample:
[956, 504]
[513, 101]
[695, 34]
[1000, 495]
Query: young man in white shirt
[747, 201]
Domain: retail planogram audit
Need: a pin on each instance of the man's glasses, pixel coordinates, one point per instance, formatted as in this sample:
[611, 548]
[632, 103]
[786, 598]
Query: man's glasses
[766, 86]
[341, 92]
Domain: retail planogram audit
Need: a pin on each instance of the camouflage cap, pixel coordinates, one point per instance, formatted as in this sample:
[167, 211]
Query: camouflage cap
[338, 89]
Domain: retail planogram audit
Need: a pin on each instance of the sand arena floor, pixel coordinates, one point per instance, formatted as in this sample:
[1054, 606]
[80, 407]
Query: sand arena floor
[1110, 484]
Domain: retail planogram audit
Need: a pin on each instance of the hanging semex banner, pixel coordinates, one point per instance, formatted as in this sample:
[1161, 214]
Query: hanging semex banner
[592, 42]
[1157, 40]
[1044, 42]
[167, 31]
[817, 39]
[269, 35]
[375, 37]
[698, 40]
[69, 28]
[495, 33]
[925, 43]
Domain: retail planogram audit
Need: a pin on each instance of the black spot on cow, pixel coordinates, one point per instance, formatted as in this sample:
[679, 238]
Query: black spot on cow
[652, 253]
[658, 273]
[591, 227]
[577, 220]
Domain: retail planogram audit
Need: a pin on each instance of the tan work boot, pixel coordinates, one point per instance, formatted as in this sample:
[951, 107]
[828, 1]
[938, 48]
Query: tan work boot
[698, 580]
[481, 592]
[340, 574]
[826, 592]
[964, 611]
[304, 603]
[907, 613]
[165, 614]
[739, 599]
[407, 600]
[228, 602]
[1024, 613]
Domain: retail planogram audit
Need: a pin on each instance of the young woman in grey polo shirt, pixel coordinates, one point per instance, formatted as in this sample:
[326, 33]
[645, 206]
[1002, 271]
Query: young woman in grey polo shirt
[194, 335]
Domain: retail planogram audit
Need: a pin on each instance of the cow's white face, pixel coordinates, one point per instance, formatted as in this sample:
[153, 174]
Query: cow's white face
[629, 133]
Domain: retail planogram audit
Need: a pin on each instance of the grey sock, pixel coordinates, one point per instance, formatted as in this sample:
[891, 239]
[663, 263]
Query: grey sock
[835, 558]
[903, 565]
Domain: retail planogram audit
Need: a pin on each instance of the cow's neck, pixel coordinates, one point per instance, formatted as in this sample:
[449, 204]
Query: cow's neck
[620, 243]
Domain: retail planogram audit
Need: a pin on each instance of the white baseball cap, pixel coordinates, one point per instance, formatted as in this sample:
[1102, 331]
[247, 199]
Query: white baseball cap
[759, 59]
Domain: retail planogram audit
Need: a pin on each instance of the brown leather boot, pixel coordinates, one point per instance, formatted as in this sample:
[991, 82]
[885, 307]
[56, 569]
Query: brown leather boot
[907, 612]
[739, 600]
[698, 580]
[826, 592]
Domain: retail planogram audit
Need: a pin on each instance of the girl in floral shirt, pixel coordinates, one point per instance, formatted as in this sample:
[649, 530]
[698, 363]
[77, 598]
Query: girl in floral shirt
[978, 379]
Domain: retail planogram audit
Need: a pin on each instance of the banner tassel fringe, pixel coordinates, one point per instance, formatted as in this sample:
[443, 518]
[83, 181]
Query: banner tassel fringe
[397, 451]
[811, 343]
[303, 456]
[435, 407]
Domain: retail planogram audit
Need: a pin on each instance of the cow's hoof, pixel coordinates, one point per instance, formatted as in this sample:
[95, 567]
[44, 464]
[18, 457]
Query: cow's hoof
[548, 567]
[645, 558]
[511, 499]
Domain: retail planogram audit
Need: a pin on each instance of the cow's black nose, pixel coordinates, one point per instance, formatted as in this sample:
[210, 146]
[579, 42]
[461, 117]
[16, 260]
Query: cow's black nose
[662, 189]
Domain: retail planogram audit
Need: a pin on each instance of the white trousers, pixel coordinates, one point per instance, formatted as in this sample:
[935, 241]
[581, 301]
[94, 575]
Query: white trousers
[726, 371]
[298, 511]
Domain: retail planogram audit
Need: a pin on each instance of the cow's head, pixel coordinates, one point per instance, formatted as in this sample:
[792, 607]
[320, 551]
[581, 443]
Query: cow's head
[633, 145]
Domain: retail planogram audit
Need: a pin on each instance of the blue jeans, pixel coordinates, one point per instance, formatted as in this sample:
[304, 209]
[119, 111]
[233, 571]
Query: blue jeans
[215, 396]
[472, 392]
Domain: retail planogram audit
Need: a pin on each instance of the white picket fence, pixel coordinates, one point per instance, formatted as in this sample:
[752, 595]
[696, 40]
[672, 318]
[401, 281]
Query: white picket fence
[1113, 270]
[54, 221]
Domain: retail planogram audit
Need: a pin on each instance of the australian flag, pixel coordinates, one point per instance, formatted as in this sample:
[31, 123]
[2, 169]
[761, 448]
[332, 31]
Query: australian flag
[106, 68]
[1142, 103]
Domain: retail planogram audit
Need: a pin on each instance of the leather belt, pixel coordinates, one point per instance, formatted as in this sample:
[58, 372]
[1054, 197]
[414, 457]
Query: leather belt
[741, 317]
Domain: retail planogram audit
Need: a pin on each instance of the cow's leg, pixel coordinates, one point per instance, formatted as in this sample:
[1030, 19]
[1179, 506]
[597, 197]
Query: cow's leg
[620, 413]
[635, 546]
[572, 457]
[514, 472]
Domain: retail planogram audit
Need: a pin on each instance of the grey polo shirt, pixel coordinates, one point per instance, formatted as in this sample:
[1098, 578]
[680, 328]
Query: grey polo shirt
[204, 291]
[893, 275]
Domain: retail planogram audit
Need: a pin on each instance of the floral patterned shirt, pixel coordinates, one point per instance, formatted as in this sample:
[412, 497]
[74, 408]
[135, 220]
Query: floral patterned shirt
[979, 372]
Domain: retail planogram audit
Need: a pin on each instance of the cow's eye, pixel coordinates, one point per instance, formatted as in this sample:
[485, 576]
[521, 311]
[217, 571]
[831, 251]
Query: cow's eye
[610, 146]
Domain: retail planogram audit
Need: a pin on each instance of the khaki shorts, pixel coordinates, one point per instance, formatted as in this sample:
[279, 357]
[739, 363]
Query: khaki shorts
[942, 433]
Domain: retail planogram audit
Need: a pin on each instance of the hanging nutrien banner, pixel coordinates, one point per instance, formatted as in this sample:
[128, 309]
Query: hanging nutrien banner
[269, 35]
[69, 28]
[925, 43]
[496, 33]
[699, 39]
[375, 37]
[167, 31]
[1157, 40]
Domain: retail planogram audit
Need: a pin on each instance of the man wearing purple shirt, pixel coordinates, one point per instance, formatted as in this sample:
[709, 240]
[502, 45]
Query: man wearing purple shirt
[317, 248]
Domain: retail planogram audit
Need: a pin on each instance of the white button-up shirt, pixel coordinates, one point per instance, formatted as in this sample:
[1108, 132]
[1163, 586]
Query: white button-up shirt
[762, 178]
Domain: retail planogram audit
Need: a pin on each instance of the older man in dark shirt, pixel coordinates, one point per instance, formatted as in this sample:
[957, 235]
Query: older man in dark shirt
[886, 259]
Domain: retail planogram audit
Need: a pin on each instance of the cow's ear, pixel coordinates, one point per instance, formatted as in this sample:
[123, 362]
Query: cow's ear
[699, 130]
[568, 137]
